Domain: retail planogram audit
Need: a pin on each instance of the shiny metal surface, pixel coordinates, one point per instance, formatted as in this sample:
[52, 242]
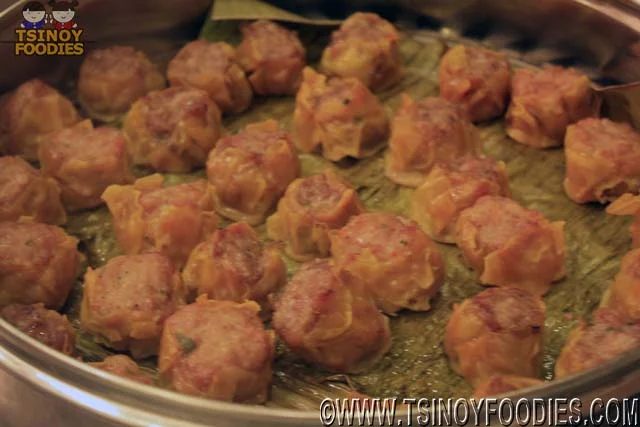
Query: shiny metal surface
[39, 386]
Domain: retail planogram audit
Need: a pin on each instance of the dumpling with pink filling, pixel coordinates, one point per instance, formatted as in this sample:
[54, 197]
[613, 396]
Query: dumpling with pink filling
[452, 187]
[31, 111]
[510, 245]
[113, 78]
[596, 342]
[272, 56]
[496, 332]
[234, 265]
[126, 301]
[84, 161]
[149, 216]
[476, 77]
[330, 323]
[424, 133]
[340, 116]
[544, 102]
[25, 191]
[310, 208]
[392, 257]
[366, 47]
[250, 171]
[217, 350]
[212, 67]
[602, 160]
[172, 130]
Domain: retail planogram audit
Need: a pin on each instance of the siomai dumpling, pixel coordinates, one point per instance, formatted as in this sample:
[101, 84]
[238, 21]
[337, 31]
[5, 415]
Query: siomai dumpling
[512, 246]
[250, 171]
[339, 115]
[111, 79]
[628, 204]
[47, 326]
[452, 187]
[478, 78]
[366, 47]
[392, 257]
[29, 112]
[218, 350]
[172, 130]
[424, 133]
[123, 366]
[591, 344]
[85, 161]
[38, 264]
[497, 332]
[126, 301]
[272, 56]
[25, 191]
[147, 216]
[330, 323]
[234, 265]
[544, 102]
[310, 208]
[213, 68]
[623, 295]
[603, 160]
[496, 385]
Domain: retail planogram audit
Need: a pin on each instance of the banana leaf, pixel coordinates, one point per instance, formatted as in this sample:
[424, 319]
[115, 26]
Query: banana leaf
[226, 10]
[416, 364]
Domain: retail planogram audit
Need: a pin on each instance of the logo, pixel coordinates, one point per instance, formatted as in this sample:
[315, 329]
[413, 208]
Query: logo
[49, 33]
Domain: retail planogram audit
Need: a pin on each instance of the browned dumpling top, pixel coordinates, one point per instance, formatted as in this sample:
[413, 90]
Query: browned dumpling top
[38, 264]
[392, 257]
[249, 171]
[126, 301]
[602, 160]
[366, 47]
[544, 102]
[213, 68]
[218, 350]
[311, 207]
[592, 344]
[450, 188]
[272, 56]
[47, 326]
[510, 245]
[25, 191]
[424, 133]
[339, 115]
[477, 78]
[32, 110]
[329, 322]
[172, 130]
[498, 331]
[84, 161]
[149, 216]
[112, 78]
[234, 265]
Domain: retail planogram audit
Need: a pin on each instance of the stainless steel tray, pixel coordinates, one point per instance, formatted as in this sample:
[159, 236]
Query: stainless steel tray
[39, 386]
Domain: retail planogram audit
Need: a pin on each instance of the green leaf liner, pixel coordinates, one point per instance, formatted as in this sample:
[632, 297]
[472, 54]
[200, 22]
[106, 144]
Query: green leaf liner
[233, 10]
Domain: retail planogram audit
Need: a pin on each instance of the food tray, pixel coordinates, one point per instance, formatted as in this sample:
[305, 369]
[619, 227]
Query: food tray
[416, 365]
